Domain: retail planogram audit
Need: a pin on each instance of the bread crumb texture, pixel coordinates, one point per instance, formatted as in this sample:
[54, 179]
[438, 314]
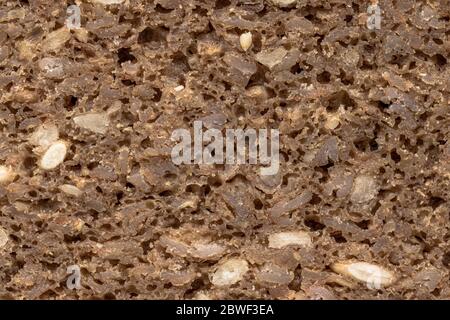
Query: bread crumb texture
[359, 208]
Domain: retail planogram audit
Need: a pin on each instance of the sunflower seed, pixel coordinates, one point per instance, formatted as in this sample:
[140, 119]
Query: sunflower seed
[245, 40]
[374, 276]
[54, 155]
[229, 272]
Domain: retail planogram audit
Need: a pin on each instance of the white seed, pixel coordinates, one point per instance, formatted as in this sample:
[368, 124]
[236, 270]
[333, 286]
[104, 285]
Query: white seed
[365, 188]
[107, 2]
[289, 238]
[3, 237]
[45, 135]
[283, 3]
[270, 58]
[245, 40]
[174, 246]
[178, 88]
[332, 122]
[54, 155]
[374, 276]
[70, 190]
[206, 250]
[96, 122]
[6, 174]
[257, 92]
[56, 39]
[229, 272]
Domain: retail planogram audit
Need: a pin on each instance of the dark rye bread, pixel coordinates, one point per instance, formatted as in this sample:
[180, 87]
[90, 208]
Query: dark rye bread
[364, 126]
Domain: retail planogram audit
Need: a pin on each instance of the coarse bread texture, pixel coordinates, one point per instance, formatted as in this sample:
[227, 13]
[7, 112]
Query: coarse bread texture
[358, 210]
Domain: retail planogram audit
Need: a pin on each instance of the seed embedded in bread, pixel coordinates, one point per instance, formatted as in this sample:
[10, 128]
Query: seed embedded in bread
[70, 190]
[44, 136]
[96, 122]
[3, 237]
[245, 40]
[229, 272]
[54, 155]
[289, 238]
[6, 174]
[373, 275]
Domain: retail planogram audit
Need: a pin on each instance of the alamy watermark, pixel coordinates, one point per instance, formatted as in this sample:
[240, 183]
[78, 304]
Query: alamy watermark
[73, 20]
[375, 280]
[374, 18]
[74, 280]
[236, 151]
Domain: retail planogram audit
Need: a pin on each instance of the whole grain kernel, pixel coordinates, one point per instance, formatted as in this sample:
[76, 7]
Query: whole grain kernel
[108, 2]
[289, 238]
[70, 190]
[371, 274]
[54, 155]
[229, 272]
[245, 40]
[284, 3]
[3, 237]
[96, 122]
[6, 174]
[206, 250]
[45, 135]
[179, 88]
